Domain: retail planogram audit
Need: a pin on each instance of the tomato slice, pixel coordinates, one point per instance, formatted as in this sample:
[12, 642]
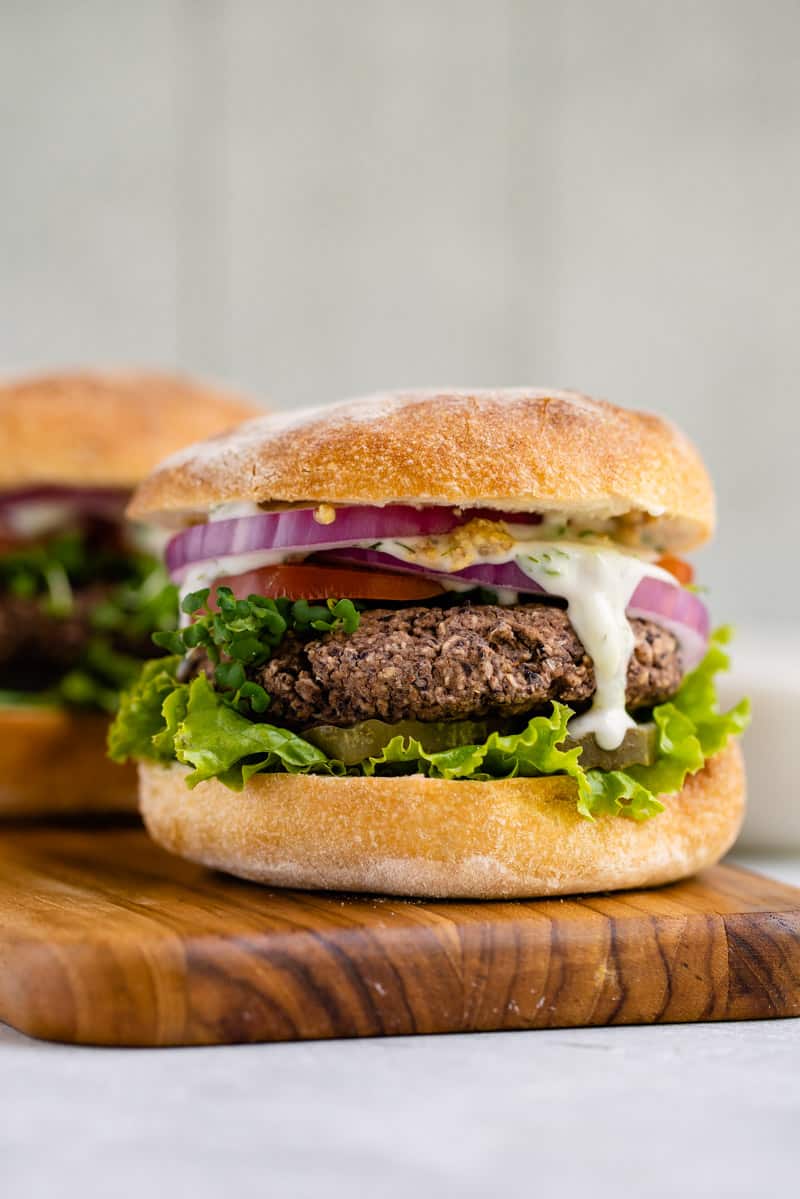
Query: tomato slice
[683, 571]
[313, 582]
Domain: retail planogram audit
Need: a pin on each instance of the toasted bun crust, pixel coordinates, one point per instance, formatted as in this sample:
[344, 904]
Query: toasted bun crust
[54, 761]
[523, 449]
[514, 838]
[104, 430]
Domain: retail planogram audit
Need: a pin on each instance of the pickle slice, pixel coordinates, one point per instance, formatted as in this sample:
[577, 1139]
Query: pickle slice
[637, 748]
[368, 738]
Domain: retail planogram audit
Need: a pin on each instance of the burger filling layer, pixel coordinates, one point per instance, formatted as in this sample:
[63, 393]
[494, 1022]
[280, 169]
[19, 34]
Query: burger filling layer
[475, 646]
[80, 597]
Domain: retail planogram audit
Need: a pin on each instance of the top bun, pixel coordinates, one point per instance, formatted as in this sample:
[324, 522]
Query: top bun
[86, 429]
[524, 449]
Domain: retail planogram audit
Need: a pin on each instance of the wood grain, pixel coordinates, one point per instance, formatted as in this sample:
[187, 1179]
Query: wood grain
[107, 940]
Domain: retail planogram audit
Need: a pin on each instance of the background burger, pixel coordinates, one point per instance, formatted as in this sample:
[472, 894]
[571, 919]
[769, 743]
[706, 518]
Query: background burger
[438, 644]
[81, 593]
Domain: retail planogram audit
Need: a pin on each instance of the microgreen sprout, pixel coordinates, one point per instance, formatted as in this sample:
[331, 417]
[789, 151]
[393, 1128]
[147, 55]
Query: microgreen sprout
[241, 634]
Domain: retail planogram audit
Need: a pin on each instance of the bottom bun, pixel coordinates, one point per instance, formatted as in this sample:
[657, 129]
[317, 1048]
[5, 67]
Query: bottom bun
[410, 835]
[53, 760]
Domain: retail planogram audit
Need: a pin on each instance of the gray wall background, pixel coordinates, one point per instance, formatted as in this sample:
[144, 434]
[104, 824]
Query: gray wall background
[317, 198]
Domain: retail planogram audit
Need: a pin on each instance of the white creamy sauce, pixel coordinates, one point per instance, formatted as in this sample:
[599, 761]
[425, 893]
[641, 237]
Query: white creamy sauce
[149, 539]
[234, 510]
[506, 596]
[36, 518]
[597, 585]
[596, 580]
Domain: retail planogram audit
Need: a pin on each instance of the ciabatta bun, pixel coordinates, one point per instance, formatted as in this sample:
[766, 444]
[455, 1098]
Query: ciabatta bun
[521, 449]
[93, 429]
[53, 760]
[515, 838]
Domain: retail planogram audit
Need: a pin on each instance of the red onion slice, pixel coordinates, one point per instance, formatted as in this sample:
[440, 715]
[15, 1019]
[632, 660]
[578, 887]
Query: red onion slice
[673, 603]
[678, 610]
[297, 531]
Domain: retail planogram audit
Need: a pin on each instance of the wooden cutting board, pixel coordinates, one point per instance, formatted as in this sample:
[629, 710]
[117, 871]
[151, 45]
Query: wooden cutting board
[107, 940]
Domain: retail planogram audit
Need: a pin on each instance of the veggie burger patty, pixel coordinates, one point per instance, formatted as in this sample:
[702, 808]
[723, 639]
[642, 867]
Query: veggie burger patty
[446, 664]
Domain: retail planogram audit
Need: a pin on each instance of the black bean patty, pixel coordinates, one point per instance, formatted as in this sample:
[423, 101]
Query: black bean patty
[449, 664]
[37, 646]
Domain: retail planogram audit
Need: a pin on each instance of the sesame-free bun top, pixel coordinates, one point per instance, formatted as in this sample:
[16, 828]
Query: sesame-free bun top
[523, 449]
[104, 429]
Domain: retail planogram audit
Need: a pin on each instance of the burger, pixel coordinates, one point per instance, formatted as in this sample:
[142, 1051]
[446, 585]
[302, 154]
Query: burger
[80, 591]
[438, 644]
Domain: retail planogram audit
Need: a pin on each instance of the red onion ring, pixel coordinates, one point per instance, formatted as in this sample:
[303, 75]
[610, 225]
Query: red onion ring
[680, 611]
[297, 531]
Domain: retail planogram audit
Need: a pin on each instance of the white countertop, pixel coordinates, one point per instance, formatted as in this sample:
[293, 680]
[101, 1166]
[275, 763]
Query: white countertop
[661, 1111]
